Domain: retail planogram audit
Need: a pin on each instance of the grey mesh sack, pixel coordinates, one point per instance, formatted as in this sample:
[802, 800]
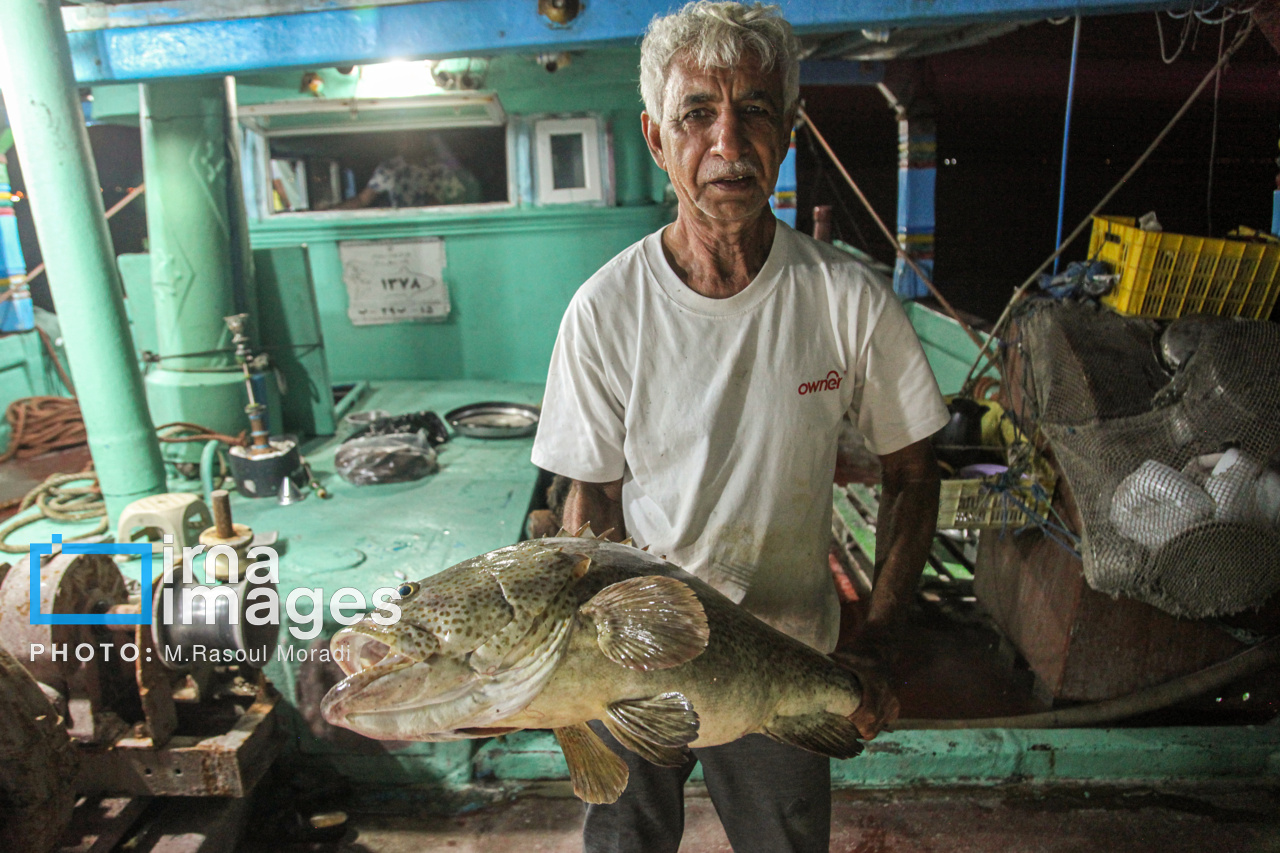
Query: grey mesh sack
[1168, 437]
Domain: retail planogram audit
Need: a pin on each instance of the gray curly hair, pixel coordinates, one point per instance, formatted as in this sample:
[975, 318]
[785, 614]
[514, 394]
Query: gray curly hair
[715, 36]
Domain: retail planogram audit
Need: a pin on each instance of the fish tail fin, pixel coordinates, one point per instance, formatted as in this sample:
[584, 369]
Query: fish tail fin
[821, 732]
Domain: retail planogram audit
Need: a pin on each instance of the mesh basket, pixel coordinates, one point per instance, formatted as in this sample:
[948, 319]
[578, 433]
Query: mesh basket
[1129, 448]
[1165, 275]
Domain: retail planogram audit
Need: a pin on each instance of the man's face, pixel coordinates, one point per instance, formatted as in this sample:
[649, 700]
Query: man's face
[722, 138]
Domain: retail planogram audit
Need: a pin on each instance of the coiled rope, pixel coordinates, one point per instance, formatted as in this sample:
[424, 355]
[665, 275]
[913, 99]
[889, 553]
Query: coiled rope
[44, 424]
[61, 502]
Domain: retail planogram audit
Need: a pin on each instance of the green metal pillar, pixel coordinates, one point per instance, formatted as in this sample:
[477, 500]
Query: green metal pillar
[43, 103]
[195, 226]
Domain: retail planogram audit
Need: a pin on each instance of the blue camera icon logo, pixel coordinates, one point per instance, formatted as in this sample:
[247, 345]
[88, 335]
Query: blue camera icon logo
[140, 549]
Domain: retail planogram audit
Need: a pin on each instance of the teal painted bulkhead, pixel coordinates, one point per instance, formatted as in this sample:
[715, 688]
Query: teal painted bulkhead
[511, 268]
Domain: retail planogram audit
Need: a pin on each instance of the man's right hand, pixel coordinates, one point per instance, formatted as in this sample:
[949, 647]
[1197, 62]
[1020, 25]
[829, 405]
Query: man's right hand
[597, 504]
[869, 658]
[879, 708]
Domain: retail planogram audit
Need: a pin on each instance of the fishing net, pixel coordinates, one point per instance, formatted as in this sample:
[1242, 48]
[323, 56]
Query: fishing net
[1168, 437]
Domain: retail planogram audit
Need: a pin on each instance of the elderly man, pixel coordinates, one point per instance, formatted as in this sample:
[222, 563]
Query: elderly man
[695, 396]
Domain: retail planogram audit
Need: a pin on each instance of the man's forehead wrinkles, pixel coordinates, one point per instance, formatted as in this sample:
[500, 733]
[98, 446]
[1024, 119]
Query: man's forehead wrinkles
[704, 97]
[698, 98]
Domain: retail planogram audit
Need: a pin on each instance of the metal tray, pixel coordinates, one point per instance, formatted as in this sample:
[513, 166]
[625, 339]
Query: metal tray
[494, 420]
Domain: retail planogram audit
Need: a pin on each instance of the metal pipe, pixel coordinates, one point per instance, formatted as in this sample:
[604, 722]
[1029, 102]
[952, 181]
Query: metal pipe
[1143, 701]
[43, 105]
[1066, 138]
[111, 211]
[208, 458]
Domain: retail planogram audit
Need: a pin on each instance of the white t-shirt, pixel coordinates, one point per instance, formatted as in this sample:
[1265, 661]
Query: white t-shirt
[721, 415]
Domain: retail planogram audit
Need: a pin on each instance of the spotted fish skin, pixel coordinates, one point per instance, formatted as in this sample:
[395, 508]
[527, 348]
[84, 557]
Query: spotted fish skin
[552, 633]
[749, 673]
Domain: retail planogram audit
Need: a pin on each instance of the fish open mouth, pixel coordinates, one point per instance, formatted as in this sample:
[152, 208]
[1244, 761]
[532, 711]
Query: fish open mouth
[355, 652]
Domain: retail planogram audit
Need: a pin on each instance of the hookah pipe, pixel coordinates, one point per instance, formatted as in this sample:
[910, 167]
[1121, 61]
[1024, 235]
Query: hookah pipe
[256, 411]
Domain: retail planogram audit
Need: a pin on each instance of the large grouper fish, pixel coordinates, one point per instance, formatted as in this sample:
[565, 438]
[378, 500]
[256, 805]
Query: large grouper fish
[552, 633]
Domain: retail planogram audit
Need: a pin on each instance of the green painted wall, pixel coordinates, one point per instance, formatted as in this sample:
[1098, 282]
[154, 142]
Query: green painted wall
[510, 275]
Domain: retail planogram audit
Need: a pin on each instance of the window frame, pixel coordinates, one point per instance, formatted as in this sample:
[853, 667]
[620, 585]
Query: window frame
[257, 133]
[597, 183]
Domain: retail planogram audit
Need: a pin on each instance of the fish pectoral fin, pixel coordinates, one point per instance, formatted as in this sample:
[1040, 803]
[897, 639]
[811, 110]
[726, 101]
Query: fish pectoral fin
[820, 732]
[657, 729]
[648, 623]
[598, 775]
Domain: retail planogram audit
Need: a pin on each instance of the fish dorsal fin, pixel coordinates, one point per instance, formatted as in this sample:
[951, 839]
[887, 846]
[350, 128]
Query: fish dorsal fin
[561, 533]
[657, 729]
[598, 775]
[650, 622]
[628, 541]
[607, 533]
[821, 732]
[584, 532]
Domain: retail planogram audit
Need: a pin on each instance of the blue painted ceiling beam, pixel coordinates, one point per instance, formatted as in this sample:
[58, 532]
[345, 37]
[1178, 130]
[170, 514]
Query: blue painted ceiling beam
[478, 27]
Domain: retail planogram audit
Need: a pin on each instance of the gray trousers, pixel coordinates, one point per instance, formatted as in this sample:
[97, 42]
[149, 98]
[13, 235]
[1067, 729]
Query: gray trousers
[771, 798]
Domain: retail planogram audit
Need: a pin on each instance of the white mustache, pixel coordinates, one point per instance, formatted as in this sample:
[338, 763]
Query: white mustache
[733, 170]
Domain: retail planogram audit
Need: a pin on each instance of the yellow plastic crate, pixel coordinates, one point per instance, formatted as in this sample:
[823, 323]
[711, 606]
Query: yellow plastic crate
[1165, 275]
[980, 505]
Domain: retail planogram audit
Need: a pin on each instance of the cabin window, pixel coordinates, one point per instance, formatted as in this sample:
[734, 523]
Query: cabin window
[568, 160]
[366, 154]
[406, 168]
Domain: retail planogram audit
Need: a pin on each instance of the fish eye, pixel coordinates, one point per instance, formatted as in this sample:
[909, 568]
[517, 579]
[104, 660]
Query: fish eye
[407, 589]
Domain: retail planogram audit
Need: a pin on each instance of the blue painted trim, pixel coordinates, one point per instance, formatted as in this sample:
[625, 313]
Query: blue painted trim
[1275, 213]
[18, 313]
[464, 27]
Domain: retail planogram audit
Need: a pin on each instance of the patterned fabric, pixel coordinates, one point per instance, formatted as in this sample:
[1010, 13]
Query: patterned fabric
[418, 185]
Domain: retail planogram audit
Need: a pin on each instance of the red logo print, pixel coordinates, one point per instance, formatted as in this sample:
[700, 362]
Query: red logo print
[831, 383]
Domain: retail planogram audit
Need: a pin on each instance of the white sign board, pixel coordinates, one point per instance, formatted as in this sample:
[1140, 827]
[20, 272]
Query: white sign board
[394, 281]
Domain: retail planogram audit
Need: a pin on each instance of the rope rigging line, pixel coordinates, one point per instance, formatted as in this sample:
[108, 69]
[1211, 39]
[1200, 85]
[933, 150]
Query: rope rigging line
[898, 249]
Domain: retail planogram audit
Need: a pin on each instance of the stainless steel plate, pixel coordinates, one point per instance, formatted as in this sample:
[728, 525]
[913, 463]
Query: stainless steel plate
[494, 420]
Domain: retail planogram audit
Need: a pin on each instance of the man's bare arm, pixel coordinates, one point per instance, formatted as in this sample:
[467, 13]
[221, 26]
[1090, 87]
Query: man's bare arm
[904, 531]
[904, 534]
[364, 198]
[597, 504]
